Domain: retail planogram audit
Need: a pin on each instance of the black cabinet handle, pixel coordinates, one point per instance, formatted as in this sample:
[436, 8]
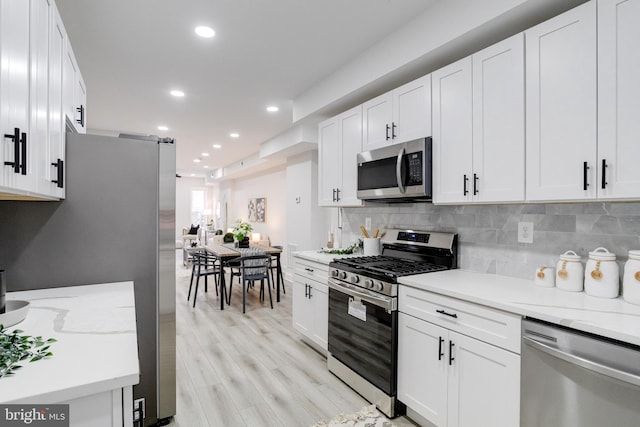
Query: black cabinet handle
[475, 184]
[23, 163]
[451, 358]
[81, 119]
[393, 130]
[455, 316]
[464, 185]
[60, 173]
[387, 132]
[440, 352]
[333, 198]
[306, 290]
[16, 150]
[309, 269]
[337, 194]
[585, 168]
[310, 291]
[604, 173]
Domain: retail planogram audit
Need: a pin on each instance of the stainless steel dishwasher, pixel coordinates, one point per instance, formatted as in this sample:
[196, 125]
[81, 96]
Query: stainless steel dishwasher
[571, 378]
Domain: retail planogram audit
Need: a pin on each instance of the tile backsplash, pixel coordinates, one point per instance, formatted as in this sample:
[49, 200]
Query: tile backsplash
[487, 234]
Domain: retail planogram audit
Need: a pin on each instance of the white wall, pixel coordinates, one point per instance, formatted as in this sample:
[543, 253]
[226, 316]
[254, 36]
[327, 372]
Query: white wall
[183, 200]
[270, 184]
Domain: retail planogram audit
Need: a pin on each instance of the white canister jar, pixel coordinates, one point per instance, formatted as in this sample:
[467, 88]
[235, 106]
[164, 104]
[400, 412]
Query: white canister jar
[601, 276]
[569, 272]
[631, 278]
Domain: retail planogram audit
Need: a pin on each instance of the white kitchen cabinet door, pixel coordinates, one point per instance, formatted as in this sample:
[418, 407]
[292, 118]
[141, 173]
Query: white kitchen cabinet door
[350, 123]
[452, 133]
[423, 368]
[302, 307]
[70, 72]
[328, 161]
[618, 99]
[80, 94]
[484, 384]
[498, 122]
[411, 117]
[376, 122]
[14, 87]
[320, 300]
[56, 142]
[561, 106]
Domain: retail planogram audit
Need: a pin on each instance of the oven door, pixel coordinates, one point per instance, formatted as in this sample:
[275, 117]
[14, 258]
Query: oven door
[363, 333]
[397, 171]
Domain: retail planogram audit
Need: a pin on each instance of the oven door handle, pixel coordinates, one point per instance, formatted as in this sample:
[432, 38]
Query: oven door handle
[399, 171]
[584, 363]
[388, 303]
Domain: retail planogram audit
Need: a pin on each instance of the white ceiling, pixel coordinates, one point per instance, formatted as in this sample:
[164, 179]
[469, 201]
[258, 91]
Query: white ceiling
[132, 53]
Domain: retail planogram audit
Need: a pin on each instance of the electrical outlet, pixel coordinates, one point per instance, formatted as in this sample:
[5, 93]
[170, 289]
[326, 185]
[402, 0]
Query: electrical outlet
[525, 232]
[138, 410]
[367, 223]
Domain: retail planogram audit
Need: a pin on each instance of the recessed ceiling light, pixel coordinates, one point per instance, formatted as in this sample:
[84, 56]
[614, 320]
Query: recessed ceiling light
[272, 108]
[163, 128]
[204, 31]
[193, 174]
[196, 160]
[177, 93]
[234, 135]
[217, 146]
[205, 154]
[206, 167]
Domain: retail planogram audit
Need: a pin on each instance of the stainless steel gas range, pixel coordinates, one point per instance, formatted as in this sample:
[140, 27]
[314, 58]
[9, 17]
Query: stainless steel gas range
[363, 310]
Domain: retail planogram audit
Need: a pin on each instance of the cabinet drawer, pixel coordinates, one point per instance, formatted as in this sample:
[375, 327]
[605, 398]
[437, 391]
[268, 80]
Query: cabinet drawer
[312, 270]
[483, 323]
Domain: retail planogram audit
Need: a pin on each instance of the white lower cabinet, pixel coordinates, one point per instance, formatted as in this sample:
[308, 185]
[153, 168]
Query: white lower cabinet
[450, 378]
[311, 301]
[112, 408]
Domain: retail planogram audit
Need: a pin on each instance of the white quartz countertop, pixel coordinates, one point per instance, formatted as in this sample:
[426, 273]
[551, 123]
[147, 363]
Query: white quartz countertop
[613, 318]
[320, 256]
[96, 348]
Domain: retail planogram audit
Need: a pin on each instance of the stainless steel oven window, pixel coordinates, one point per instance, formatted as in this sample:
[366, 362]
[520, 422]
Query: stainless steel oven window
[368, 347]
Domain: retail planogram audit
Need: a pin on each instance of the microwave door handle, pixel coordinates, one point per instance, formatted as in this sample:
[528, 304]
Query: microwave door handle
[399, 170]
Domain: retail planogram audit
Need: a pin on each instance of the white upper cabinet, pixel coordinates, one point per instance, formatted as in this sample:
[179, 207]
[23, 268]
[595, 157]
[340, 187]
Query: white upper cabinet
[618, 99]
[74, 91]
[14, 102]
[452, 133]
[561, 109]
[404, 114]
[340, 140]
[498, 122]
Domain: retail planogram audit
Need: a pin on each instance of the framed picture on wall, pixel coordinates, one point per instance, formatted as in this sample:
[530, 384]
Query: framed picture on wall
[261, 209]
[251, 210]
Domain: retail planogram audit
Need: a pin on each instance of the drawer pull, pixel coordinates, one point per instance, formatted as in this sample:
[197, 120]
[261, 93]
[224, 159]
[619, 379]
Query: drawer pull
[309, 269]
[455, 316]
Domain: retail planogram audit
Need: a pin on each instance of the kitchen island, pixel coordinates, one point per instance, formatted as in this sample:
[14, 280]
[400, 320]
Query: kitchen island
[95, 359]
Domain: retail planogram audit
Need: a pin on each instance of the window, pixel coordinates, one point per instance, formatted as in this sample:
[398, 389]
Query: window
[198, 203]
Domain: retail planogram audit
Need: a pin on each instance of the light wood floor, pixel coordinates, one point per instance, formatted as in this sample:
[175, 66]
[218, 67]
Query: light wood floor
[250, 369]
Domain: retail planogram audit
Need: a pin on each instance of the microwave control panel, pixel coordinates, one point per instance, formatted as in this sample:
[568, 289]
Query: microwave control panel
[415, 168]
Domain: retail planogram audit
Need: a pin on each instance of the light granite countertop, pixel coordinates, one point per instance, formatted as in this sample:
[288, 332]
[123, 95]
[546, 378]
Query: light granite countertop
[320, 257]
[96, 348]
[613, 318]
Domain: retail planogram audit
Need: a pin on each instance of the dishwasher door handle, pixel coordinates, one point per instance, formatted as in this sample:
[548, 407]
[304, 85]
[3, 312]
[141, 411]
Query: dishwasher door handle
[584, 363]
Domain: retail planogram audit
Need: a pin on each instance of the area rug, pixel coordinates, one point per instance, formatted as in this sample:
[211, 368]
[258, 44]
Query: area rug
[368, 416]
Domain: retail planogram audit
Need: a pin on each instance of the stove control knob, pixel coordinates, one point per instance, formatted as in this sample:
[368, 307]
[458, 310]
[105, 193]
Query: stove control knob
[379, 286]
[368, 283]
[355, 279]
[342, 275]
[334, 273]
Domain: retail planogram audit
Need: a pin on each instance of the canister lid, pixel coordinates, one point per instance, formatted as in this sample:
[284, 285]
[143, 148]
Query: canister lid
[635, 254]
[570, 256]
[602, 254]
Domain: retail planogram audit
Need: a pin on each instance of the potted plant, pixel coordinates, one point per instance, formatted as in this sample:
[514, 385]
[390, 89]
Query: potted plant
[241, 232]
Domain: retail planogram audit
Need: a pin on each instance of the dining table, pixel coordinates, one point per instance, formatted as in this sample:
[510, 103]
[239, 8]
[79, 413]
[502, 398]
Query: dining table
[227, 252]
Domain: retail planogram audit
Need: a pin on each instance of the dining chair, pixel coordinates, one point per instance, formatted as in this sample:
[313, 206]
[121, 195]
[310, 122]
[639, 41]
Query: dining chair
[204, 265]
[252, 269]
[274, 266]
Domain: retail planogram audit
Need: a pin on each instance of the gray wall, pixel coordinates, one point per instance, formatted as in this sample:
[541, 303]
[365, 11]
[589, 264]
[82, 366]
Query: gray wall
[488, 233]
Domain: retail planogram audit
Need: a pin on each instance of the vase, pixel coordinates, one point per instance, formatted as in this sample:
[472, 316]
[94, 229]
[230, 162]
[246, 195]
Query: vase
[244, 243]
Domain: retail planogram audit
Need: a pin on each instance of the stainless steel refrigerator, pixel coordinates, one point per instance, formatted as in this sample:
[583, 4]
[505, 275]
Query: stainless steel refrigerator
[117, 223]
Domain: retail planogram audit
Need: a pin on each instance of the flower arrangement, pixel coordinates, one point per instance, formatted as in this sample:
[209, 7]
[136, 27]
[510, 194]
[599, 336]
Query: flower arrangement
[241, 230]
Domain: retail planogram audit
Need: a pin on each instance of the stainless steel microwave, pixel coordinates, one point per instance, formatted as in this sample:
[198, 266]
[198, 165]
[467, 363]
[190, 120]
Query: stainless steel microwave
[400, 172]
